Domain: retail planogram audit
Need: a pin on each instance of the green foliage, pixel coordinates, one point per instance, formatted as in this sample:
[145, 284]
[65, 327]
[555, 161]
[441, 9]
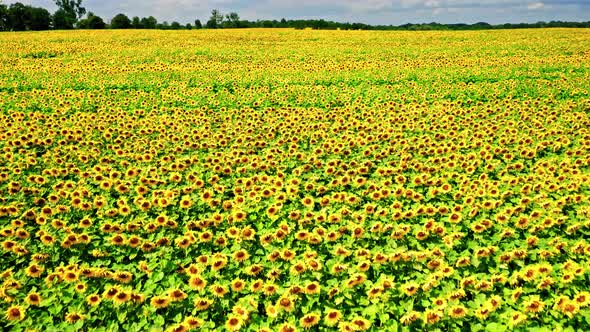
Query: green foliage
[149, 22]
[198, 24]
[61, 20]
[68, 13]
[20, 17]
[120, 21]
[91, 22]
[216, 19]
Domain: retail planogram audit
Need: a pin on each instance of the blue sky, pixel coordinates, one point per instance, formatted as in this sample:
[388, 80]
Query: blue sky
[367, 11]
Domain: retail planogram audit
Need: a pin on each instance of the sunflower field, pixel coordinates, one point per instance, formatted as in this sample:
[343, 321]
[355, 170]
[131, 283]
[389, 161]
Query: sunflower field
[283, 180]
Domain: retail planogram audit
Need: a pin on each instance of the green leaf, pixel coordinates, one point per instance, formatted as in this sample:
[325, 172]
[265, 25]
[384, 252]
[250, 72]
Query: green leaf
[159, 321]
[122, 315]
[371, 311]
[393, 326]
[78, 325]
[495, 327]
[158, 276]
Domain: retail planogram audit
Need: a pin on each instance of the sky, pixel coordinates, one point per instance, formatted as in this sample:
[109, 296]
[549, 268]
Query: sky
[387, 12]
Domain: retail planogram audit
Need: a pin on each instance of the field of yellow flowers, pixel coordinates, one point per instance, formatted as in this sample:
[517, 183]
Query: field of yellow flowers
[282, 180]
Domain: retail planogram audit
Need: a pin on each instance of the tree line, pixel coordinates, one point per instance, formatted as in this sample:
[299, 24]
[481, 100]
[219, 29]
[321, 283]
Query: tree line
[71, 14]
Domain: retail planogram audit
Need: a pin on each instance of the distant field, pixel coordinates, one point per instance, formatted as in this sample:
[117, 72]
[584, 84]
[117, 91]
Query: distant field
[283, 180]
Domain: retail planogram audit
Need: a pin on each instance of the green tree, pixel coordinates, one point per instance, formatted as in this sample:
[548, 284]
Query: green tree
[120, 21]
[91, 22]
[198, 24]
[40, 18]
[149, 22]
[68, 13]
[60, 20]
[136, 23]
[19, 16]
[175, 25]
[4, 24]
[163, 26]
[232, 20]
[215, 20]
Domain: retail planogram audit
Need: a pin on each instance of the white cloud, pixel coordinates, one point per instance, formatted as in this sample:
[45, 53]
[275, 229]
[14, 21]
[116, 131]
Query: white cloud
[536, 5]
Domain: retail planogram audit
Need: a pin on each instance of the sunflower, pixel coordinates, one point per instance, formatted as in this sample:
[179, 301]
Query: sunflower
[8, 245]
[455, 218]
[308, 202]
[118, 240]
[494, 302]
[202, 303]
[534, 305]
[301, 235]
[218, 290]
[309, 320]
[272, 211]
[70, 276]
[234, 323]
[432, 316]
[257, 285]
[583, 299]
[285, 303]
[137, 298]
[197, 282]
[80, 287]
[516, 293]
[237, 285]
[47, 239]
[121, 297]
[239, 215]
[34, 271]
[243, 312]
[270, 289]
[241, 255]
[182, 242]
[312, 288]
[567, 277]
[361, 324]
[458, 311]
[207, 195]
[180, 327]
[205, 236]
[297, 268]
[73, 317]
[288, 254]
[159, 302]
[33, 299]
[53, 278]
[332, 317]
[93, 300]
[15, 313]
[218, 264]
[192, 322]
[483, 312]
[185, 203]
[410, 288]
[134, 241]
[248, 233]
[516, 318]
[569, 308]
[272, 311]
[123, 277]
[176, 295]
